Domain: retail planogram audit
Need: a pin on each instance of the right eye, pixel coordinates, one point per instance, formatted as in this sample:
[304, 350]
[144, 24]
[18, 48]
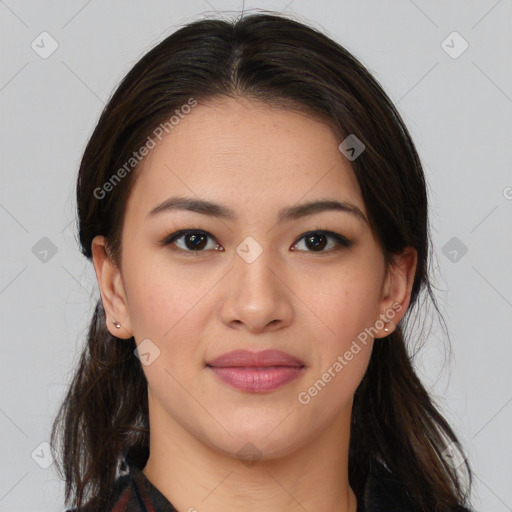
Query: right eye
[193, 241]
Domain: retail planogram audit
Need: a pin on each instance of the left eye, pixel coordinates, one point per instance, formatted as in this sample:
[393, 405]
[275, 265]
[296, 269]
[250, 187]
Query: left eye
[196, 241]
[318, 240]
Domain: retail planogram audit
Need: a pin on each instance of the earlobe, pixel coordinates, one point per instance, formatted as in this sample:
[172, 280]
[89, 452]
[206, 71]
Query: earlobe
[112, 291]
[397, 289]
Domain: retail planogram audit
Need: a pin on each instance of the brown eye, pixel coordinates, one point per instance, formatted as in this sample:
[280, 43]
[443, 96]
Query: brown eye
[317, 241]
[195, 241]
[191, 241]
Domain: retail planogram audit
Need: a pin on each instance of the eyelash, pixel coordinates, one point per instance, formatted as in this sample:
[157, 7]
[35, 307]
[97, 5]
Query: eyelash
[168, 240]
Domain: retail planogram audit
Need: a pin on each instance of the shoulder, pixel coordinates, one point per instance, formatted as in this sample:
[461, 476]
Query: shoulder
[133, 492]
[385, 493]
[122, 500]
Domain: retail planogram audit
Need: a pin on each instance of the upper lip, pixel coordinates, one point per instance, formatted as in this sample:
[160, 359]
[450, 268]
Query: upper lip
[246, 358]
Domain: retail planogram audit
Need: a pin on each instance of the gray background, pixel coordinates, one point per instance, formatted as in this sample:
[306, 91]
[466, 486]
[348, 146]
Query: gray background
[459, 112]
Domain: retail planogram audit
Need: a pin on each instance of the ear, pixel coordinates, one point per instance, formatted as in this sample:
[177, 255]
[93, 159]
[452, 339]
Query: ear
[112, 290]
[396, 290]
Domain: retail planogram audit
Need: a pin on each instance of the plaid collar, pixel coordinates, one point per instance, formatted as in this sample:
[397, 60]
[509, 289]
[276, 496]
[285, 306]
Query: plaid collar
[138, 494]
[383, 493]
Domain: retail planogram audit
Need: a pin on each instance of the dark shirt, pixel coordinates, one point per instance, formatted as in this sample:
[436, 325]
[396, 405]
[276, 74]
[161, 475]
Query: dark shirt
[135, 493]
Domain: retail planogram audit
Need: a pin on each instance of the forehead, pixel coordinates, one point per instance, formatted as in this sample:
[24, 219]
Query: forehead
[248, 155]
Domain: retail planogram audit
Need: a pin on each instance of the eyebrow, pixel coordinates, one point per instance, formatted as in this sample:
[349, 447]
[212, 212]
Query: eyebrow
[285, 215]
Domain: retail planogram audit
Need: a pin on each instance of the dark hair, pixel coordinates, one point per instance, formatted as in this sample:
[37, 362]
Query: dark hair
[286, 63]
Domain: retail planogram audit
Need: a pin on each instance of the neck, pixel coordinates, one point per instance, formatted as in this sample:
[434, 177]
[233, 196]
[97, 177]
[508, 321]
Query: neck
[195, 476]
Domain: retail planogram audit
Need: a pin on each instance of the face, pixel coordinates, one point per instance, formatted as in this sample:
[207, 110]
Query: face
[306, 282]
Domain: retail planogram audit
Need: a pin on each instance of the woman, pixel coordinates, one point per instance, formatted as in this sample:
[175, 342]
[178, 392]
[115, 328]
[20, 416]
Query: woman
[256, 214]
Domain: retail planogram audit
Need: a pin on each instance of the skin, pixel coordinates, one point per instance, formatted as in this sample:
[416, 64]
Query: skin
[255, 160]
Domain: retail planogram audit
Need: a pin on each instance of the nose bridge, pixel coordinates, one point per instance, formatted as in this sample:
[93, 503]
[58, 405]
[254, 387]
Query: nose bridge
[254, 268]
[255, 296]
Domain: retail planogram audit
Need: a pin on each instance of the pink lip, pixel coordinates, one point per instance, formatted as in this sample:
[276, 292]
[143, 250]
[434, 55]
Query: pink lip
[246, 358]
[256, 371]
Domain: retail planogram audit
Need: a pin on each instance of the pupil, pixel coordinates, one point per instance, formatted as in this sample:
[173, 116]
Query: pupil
[311, 238]
[197, 240]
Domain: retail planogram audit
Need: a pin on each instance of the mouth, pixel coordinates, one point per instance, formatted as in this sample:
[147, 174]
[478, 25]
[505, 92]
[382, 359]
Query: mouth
[257, 379]
[247, 359]
[256, 372]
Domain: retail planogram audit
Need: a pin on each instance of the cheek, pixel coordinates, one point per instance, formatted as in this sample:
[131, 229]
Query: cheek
[333, 382]
[170, 308]
[328, 396]
[345, 303]
[162, 297]
[344, 300]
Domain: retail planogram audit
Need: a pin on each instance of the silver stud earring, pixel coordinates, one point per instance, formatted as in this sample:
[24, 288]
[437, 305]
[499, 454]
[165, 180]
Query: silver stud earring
[117, 324]
[386, 328]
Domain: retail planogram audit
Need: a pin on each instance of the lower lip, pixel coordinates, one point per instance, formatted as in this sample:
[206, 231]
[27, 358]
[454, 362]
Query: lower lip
[257, 380]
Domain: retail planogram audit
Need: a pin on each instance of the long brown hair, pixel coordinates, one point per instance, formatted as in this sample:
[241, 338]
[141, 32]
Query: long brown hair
[274, 59]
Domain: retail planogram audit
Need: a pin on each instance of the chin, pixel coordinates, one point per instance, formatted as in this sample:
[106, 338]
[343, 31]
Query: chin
[251, 445]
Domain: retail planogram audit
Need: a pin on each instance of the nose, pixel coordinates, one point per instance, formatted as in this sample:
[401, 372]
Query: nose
[257, 297]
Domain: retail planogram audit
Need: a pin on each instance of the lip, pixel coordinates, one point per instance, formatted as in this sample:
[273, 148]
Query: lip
[258, 380]
[246, 358]
[256, 372]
